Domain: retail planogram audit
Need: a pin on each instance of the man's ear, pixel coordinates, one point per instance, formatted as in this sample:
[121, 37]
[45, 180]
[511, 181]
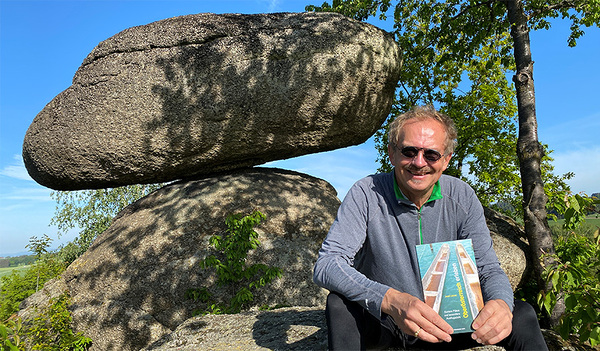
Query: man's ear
[446, 160]
[391, 153]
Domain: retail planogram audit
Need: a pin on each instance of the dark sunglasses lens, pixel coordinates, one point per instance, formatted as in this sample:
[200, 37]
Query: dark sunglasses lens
[409, 151]
[429, 154]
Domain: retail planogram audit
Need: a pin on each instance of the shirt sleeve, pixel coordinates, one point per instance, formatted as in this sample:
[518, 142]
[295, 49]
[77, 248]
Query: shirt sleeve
[334, 269]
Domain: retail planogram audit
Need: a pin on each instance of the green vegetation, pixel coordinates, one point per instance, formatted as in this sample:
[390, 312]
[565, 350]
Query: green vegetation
[51, 329]
[575, 277]
[20, 270]
[575, 272]
[18, 286]
[24, 260]
[92, 212]
[230, 265]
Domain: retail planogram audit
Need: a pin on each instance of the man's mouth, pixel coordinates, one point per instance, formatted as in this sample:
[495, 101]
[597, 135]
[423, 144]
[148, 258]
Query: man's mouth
[419, 172]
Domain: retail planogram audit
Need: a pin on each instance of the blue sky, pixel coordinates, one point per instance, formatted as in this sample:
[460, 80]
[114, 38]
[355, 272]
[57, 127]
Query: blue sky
[42, 43]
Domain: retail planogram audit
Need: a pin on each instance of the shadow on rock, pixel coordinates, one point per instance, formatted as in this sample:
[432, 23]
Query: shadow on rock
[291, 330]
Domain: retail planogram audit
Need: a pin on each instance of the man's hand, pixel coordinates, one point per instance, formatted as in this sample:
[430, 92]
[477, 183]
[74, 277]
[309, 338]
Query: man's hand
[414, 317]
[493, 324]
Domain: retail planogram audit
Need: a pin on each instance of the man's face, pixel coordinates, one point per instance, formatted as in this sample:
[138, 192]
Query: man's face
[416, 176]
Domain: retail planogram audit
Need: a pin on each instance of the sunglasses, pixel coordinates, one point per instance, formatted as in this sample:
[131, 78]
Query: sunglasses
[412, 152]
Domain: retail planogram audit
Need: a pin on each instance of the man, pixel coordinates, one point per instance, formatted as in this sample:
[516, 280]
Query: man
[368, 260]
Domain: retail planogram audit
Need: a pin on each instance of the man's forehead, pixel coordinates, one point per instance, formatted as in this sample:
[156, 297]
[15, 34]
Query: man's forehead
[428, 126]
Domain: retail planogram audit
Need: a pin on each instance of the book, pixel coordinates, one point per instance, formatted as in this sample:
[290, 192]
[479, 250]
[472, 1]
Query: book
[451, 282]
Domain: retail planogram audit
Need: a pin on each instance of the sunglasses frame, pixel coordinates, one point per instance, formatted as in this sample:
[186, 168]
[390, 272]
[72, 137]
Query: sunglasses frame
[430, 155]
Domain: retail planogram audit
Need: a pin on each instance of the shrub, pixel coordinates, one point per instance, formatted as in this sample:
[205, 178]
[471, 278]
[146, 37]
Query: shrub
[230, 265]
[51, 329]
[17, 287]
[575, 276]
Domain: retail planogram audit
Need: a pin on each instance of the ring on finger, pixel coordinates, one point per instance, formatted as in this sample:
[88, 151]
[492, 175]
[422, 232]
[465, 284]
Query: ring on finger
[417, 332]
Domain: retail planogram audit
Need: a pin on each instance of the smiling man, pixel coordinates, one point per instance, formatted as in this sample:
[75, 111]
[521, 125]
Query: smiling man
[368, 261]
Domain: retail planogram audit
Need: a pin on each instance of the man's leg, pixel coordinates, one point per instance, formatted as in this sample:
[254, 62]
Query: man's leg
[351, 327]
[526, 333]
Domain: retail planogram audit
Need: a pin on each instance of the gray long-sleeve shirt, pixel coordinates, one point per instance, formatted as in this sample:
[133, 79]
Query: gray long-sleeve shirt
[371, 245]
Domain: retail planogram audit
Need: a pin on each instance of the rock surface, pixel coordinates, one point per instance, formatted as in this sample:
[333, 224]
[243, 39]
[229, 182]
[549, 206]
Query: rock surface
[511, 247]
[129, 288]
[197, 94]
[296, 328]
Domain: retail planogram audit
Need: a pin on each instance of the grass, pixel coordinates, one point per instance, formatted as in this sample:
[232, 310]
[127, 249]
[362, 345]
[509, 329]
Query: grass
[593, 220]
[8, 270]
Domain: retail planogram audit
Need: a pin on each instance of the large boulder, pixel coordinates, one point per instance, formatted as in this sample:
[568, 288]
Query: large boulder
[129, 288]
[511, 247]
[197, 94]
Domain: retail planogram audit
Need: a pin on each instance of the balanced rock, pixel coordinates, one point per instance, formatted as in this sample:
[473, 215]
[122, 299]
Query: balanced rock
[198, 94]
[129, 289]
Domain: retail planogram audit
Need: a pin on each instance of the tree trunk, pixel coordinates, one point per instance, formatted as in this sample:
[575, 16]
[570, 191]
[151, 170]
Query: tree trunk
[530, 151]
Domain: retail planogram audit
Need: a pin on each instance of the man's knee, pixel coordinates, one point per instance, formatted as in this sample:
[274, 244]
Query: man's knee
[335, 301]
[524, 315]
[526, 333]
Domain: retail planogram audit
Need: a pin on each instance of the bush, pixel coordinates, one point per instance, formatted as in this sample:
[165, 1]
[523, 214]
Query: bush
[51, 329]
[575, 275]
[17, 287]
[230, 265]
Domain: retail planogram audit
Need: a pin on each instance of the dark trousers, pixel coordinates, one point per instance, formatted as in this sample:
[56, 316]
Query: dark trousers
[351, 327]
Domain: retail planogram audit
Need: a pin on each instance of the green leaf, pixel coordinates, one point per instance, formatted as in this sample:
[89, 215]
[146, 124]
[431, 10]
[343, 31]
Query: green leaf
[570, 302]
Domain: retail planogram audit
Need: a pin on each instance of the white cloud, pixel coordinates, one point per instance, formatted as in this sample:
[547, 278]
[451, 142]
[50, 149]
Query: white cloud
[28, 194]
[16, 169]
[273, 5]
[572, 132]
[585, 163]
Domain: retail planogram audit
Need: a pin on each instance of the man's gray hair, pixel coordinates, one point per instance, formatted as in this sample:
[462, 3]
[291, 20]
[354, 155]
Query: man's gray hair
[422, 113]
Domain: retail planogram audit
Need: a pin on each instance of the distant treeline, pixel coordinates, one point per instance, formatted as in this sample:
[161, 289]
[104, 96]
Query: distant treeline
[23, 260]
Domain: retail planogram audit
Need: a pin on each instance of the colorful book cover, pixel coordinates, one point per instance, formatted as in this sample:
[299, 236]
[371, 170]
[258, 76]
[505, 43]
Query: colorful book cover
[450, 282]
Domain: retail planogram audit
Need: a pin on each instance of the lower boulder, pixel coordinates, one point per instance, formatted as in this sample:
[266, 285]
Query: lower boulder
[511, 247]
[129, 288]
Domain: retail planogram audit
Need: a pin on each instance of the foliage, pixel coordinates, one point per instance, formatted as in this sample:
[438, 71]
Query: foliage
[230, 265]
[10, 335]
[575, 208]
[16, 287]
[91, 211]
[458, 55]
[575, 277]
[23, 260]
[575, 274]
[51, 329]
[40, 247]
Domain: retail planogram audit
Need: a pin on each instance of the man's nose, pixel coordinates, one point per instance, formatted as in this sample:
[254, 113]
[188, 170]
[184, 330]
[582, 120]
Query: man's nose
[420, 160]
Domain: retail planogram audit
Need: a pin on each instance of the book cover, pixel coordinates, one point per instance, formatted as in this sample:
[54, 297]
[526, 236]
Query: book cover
[450, 282]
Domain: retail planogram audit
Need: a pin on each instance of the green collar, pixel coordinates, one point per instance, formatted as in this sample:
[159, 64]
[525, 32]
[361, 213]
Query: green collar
[436, 194]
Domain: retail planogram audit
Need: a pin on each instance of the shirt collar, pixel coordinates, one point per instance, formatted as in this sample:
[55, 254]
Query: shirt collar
[436, 194]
